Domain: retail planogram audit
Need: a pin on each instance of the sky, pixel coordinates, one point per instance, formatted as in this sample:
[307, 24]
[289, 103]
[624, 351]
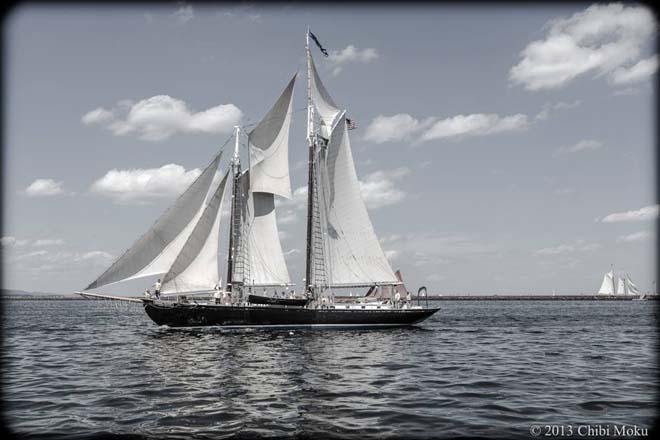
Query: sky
[500, 149]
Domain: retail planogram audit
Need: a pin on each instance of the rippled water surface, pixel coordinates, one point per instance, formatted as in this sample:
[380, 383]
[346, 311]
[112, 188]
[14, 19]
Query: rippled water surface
[75, 368]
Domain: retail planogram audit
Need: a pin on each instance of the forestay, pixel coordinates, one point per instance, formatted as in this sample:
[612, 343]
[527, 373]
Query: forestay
[269, 148]
[155, 251]
[261, 242]
[353, 255]
[196, 266]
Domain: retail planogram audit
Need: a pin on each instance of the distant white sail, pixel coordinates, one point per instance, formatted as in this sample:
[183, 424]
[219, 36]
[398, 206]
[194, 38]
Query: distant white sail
[631, 288]
[262, 249]
[620, 287]
[353, 255]
[165, 238]
[196, 266]
[607, 287]
[325, 106]
[269, 148]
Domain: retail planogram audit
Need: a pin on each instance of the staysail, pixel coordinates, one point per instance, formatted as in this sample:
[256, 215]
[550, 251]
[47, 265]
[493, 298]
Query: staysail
[196, 266]
[156, 250]
[607, 287]
[262, 249]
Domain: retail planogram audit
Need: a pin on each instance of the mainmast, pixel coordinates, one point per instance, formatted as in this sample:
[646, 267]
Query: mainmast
[233, 222]
[310, 172]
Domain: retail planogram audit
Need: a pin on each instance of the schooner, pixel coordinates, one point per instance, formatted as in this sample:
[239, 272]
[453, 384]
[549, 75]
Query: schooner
[342, 249]
[624, 286]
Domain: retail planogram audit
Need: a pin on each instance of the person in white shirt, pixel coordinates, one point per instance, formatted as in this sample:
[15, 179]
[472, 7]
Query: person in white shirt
[156, 287]
[397, 298]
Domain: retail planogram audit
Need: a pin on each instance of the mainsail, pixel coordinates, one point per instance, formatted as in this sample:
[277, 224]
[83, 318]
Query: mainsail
[155, 251]
[607, 287]
[196, 266]
[352, 253]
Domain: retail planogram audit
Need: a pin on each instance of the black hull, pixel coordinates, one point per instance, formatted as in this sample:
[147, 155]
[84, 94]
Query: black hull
[256, 299]
[189, 315]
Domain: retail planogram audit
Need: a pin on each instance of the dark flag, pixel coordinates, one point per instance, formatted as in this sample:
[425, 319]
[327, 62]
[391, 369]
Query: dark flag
[350, 124]
[325, 52]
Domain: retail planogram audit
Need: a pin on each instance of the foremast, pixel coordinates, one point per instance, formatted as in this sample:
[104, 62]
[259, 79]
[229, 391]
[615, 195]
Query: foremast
[234, 222]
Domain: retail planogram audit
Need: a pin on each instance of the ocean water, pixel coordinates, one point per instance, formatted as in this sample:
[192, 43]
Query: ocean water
[79, 369]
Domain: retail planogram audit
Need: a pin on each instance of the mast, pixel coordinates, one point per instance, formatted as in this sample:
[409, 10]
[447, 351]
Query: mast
[310, 172]
[236, 172]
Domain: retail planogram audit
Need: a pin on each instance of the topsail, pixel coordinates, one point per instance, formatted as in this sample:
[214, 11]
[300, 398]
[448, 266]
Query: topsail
[155, 251]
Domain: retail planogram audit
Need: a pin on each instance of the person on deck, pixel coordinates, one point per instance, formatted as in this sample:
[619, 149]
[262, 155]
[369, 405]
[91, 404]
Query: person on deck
[397, 298]
[156, 287]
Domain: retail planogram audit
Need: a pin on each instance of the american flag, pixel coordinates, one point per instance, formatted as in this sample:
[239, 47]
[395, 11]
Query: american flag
[350, 124]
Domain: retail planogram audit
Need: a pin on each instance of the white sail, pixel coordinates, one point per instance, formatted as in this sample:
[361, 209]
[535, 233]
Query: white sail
[620, 287]
[631, 288]
[269, 148]
[607, 287]
[196, 266]
[325, 106]
[353, 255]
[155, 251]
[262, 250]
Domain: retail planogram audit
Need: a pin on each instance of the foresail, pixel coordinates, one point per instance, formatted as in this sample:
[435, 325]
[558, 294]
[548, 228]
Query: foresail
[607, 287]
[353, 255]
[269, 148]
[325, 106]
[165, 236]
[196, 266]
[262, 250]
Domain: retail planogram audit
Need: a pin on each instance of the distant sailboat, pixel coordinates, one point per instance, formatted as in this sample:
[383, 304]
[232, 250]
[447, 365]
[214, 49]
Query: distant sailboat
[623, 285]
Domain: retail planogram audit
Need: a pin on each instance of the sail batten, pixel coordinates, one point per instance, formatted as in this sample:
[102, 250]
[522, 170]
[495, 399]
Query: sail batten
[163, 241]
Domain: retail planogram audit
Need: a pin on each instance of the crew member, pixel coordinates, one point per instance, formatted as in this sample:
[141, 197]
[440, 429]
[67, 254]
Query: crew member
[156, 287]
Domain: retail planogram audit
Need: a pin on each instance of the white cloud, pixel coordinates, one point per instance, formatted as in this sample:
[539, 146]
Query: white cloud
[379, 189]
[44, 187]
[636, 236]
[184, 13]
[351, 54]
[60, 261]
[598, 40]
[402, 126]
[636, 73]
[48, 242]
[96, 116]
[584, 145]
[161, 116]
[646, 213]
[393, 128]
[547, 109]
[10, 241]
[568, 248]
[142, 185]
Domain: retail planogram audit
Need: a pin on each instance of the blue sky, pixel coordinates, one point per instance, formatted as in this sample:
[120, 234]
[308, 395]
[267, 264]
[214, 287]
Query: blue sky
[501, 149]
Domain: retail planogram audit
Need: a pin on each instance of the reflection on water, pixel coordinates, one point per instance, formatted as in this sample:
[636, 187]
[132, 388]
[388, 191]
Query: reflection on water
[75, 368]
